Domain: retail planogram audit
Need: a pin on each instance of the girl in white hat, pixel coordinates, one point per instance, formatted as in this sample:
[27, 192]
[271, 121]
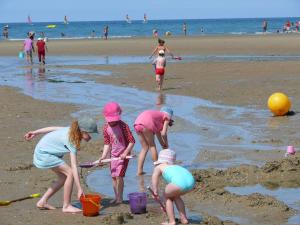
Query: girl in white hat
[179, 182]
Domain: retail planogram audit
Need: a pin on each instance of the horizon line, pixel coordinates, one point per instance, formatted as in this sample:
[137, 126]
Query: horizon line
[224, 18]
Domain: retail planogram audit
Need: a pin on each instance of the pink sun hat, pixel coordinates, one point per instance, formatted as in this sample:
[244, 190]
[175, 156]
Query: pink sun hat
[112, 112]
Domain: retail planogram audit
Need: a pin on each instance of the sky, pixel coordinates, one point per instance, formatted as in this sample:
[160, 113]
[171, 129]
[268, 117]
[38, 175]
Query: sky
[99, 10]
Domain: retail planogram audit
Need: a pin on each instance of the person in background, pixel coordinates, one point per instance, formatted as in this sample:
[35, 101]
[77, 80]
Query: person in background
[184, 28]
[41, 48]
[5, 32]
[265, 26]
[93, 34]
[155, 33]
[28, 47]
[105, 32]
[160, 65]
[161, 46]
[48, 154]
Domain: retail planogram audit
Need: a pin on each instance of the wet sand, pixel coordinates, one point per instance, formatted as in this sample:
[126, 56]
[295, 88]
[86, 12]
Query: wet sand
[234, 83]
[205, 45]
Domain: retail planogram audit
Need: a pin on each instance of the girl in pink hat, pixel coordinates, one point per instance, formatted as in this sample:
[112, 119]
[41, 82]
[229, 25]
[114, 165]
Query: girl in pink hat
[148, 124]
[119, 140]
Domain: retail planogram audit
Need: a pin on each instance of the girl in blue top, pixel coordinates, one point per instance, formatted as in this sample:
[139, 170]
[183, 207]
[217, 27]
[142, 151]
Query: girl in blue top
[179, 181]
[49, 152]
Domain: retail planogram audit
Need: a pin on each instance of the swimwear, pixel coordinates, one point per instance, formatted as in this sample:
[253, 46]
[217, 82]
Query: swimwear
[160, 71]
[179, 176]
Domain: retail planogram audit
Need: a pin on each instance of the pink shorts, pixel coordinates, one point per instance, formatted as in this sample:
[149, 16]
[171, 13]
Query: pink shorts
[139, 128]
[118, 167]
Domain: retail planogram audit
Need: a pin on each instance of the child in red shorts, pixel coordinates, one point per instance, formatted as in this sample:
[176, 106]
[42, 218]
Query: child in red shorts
[119, 140]
[160, 64]
[41, 46]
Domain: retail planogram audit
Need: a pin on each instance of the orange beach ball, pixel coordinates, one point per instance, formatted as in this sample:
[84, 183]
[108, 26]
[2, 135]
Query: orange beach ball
[279, 104]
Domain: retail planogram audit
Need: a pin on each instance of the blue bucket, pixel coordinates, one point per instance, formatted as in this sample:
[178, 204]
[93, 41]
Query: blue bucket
[138, 202]
[21, 55]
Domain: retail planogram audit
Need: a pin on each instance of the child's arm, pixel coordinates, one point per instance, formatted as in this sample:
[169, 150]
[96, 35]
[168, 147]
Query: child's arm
[130, 139]
[73, 159]
[31, 134]
[106, 149]
[127, 151]
[155, 176]
[162, 136]
[153, 52]
[46, 47]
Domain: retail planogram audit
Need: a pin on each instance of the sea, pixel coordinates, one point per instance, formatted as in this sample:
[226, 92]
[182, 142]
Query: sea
[139, 28]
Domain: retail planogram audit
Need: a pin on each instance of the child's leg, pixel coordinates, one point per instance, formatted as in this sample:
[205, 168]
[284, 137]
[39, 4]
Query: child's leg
[114, 181]
[161, 82]
[43, 202]
[157, 78]
[181, 209]
[68, 187]
[143, 153]
[151, 142]
[120, 188]
[40, 56]
[171, 192]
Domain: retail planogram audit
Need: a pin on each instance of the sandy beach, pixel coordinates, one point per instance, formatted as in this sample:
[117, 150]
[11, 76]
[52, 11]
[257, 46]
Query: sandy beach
[235, 83]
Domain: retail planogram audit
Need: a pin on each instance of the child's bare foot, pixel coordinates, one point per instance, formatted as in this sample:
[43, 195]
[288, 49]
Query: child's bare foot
[71, 209]
[167, 223]
[184, 221]
[45, 206]
[113, 201]
[119, 201]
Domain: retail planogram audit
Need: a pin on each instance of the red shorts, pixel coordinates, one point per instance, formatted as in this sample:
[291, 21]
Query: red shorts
[160, 71]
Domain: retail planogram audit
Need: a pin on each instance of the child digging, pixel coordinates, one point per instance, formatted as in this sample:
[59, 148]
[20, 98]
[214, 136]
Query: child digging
[179, 182]
[119, 141]
[48, 154]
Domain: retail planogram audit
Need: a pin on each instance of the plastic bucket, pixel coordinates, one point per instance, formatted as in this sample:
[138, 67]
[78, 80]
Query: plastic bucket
[90, 204]
[138, 202]
[21, 55]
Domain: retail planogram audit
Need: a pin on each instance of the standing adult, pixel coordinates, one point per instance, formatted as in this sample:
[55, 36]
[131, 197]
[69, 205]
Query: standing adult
[105, 32]
[184, 28]
[5, 32]
[29, 47]
[265, 26]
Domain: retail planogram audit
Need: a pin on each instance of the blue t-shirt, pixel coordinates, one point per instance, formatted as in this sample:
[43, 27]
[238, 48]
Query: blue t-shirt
[52, 147]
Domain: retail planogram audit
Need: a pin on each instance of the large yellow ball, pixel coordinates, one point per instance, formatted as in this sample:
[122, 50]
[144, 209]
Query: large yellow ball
[279, 104]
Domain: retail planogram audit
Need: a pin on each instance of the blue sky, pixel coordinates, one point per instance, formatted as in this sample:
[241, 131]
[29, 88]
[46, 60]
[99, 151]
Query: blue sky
[54, 10]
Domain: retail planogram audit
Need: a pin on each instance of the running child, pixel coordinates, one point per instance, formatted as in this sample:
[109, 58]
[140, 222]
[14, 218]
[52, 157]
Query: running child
[148, 124]
[119, 140]
[179, 182]
[161, 46]
[159, 65]
[49, 152]
[41, 47]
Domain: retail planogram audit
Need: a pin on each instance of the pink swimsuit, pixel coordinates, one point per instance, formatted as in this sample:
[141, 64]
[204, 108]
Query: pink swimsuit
[118, 137]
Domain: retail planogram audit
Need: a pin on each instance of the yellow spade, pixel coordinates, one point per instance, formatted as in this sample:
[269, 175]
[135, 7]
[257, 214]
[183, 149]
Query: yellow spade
[4, 203]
